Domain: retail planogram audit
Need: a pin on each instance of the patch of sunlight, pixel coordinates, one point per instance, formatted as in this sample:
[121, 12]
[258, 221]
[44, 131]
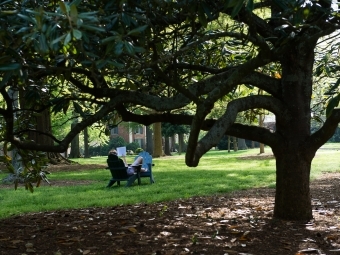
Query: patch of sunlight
[233, 175]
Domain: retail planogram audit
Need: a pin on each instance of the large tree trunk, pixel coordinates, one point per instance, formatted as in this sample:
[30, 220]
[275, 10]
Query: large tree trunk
[293, 156]
[292, 199]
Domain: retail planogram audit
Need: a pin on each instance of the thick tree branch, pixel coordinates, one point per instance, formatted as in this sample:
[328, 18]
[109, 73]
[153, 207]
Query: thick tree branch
[220, 127]
[321, 136]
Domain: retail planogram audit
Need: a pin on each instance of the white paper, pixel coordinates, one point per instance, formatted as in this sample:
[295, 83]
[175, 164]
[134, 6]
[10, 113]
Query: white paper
[121, 151]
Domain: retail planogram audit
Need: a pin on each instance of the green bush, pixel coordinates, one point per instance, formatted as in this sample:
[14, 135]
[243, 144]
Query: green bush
[138, 150]
[117, 141]
[132, 146]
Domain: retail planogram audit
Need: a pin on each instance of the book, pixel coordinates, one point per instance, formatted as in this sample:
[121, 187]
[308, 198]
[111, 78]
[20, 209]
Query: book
[121, 151]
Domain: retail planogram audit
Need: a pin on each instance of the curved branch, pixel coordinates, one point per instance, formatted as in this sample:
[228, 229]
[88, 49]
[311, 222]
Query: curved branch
[321, 136]
[228, 118]
[254, 133]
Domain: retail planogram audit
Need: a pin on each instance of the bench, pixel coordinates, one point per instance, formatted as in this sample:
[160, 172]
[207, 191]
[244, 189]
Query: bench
[118, 172]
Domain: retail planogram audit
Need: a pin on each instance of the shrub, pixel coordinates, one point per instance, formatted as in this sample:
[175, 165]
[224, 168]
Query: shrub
[132, 146]
[138, 150]
[117, 141]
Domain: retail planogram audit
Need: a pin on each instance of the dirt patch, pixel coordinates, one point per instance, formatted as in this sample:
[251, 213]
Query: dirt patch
[74, 167]
[236, 223]
[259, 156]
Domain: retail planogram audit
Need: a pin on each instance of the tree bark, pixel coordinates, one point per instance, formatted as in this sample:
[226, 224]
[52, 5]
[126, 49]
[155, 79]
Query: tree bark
[292, 199]
[180, 143]
[235, 143]
[167, 146]
[149, 140]
[86, 143]
[293, 155]
[242, 144]
[229, 141]
[75, 152]
[261, 120]
[157, 140]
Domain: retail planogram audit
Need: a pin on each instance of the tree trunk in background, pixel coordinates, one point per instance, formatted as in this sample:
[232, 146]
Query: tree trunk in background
[180, 143]
[167, 146]
[252, 144]
[149, 140]
[86, 143]
[235, 143]
[261, 120]
[173, 144]
[43, 125]
[242, 144]
[229, 143]
[157, 140]
[75, 152]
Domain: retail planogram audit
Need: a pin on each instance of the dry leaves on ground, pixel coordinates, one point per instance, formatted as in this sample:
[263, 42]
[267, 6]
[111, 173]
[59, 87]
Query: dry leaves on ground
[237, 223]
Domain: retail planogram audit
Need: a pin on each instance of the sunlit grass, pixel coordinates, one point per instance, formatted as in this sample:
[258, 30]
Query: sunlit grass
[218, 172]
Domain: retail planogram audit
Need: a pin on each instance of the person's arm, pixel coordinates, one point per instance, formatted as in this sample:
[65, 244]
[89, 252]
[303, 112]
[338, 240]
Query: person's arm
[124, 160]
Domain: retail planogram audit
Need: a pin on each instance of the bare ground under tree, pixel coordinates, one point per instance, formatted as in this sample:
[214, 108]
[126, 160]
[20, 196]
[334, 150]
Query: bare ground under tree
[236, 223]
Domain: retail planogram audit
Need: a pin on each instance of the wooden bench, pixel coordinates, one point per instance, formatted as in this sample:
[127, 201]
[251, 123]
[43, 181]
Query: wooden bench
[118, 171]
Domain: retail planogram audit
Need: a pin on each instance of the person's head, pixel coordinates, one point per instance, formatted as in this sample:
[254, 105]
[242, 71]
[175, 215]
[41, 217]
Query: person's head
[112, 152]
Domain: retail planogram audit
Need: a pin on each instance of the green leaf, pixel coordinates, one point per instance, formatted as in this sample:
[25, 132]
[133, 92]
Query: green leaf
[231, 3]
[119, 48]
[10, 67]
[78, 109]
[110, 39]
[73, 12]
[334, 86]
[66, 106]
[237, 8]
[75, 2]
[67, 38]
[58, 39]
[126, 19]
[62, 6]
[207, 10]
[250, 5]
[116, 64]
[77, 34]
[333, 102]
[201, 17]
[93, 28]
[281, 4]
[129, 48]
[137, 30]
[139, 49]
[27, 18]
[43, 44]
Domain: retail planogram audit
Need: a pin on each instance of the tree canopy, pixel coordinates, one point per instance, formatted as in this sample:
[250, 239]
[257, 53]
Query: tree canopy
[109, 59]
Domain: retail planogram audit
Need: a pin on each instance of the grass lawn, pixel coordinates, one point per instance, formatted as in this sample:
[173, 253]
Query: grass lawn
[218, 172]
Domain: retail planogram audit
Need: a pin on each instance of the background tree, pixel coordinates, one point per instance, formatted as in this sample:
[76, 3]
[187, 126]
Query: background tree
[157, 140]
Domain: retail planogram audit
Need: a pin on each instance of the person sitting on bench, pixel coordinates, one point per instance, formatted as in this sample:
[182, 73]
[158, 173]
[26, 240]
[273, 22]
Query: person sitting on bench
[131, 169]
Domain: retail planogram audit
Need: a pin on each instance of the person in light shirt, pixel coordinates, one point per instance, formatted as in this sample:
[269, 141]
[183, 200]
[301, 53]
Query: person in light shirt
[132, 168]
